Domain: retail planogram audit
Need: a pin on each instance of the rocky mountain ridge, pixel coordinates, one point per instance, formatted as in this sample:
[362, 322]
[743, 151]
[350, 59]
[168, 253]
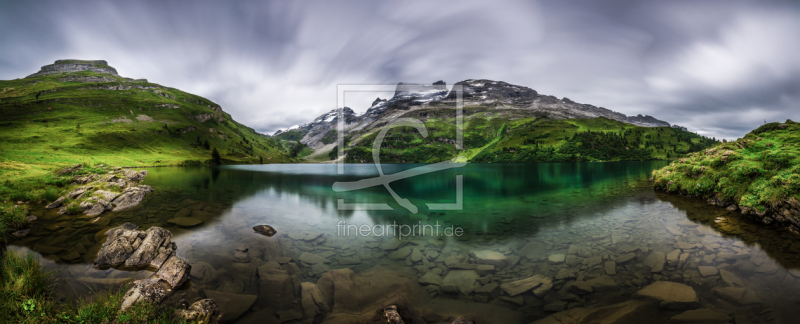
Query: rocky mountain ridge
[483, 93]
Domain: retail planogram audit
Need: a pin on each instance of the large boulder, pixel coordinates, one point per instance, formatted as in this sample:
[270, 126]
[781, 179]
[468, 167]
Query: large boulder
[174, 271]
[152, 290]
[135, 176]
[131, 197]
[126, 244]
[122, 242]
[155, 239]
[671, 295]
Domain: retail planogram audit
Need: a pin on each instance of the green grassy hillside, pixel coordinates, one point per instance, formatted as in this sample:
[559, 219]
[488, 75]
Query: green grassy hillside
[493, 138]
[60, 119]
[758, 174]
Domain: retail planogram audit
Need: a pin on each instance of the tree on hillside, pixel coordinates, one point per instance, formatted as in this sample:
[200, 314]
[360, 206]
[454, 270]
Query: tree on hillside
[215, 158]
[261, 159]
[294, 151]
[206, 145]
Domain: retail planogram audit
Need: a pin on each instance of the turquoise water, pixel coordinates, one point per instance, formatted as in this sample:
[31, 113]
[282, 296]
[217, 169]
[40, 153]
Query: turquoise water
[524, 212]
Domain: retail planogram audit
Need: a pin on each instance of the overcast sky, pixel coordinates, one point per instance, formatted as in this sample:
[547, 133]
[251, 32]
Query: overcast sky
[720, 68]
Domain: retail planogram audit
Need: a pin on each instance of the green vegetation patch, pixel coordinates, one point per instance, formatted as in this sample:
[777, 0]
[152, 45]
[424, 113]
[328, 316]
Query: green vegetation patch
[760, 172]
[26, 297]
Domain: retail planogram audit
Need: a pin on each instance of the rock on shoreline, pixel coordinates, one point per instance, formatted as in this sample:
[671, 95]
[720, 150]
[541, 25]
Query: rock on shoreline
[97, 195]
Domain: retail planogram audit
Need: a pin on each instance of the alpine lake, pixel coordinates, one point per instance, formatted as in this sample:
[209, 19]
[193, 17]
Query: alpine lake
[591, 234]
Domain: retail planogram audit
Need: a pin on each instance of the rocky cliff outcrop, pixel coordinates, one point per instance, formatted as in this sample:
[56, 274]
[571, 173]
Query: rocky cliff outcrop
[61, 66]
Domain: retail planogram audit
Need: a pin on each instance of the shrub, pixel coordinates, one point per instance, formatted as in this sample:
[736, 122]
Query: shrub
[747, 170]
[74, 208]
[776, 160]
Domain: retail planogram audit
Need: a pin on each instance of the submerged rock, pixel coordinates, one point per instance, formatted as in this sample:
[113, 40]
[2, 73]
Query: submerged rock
[463, 279]
[632, 311]
[700, 316]
[185, 221]
[521, 286]
[313, 301]
[496, 259]
[265, 230]
[21, 233]
[737, 296]
[232, 305]
[671, 295]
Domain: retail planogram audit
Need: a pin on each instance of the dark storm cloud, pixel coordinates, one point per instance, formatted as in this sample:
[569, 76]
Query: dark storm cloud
[718, 67]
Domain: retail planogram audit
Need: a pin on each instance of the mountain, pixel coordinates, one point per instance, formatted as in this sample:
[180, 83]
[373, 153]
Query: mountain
[499, 119]
[83, 111]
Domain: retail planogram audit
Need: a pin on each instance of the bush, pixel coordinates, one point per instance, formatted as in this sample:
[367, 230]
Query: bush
[776, 160]
[74, 208]
[747, 170]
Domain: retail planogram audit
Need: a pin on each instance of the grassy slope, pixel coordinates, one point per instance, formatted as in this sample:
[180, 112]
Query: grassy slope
[491, 137]
[758, 173]
[71, 122]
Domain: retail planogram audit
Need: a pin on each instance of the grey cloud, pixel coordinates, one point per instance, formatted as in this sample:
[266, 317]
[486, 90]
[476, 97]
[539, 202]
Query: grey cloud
[717, 67]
